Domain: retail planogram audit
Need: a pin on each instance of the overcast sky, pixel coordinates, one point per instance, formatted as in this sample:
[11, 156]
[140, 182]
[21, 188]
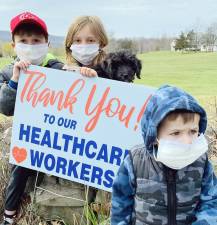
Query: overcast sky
[123, 18]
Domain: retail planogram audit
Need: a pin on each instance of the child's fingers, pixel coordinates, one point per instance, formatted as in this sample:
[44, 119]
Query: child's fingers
[88, 72]
[23, 65]
[27, 64]
[92, 73]
[83, 71]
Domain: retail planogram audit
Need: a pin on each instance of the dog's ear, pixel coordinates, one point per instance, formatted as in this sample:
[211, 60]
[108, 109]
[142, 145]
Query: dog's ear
[138, 68]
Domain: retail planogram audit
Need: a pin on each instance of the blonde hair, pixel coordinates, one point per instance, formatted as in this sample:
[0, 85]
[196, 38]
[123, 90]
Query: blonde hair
[98, 30]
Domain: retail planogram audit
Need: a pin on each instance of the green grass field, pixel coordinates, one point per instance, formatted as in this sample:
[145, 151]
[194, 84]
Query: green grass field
[194, 72]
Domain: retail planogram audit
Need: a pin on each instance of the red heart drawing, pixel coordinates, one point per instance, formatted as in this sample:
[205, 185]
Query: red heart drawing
[19, 154]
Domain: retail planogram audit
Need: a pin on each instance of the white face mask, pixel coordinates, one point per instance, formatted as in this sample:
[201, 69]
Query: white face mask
[85, 53]
[177, 155]
[35, 54]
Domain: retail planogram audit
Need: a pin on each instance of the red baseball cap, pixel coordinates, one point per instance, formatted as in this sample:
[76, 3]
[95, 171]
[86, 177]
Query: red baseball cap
[27, 17]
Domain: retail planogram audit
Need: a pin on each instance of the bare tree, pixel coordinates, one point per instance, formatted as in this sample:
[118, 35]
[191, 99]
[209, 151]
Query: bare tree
[209, 38]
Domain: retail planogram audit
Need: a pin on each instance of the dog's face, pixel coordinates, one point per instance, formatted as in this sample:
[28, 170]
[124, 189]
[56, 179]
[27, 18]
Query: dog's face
[124, 73]
[121, 66]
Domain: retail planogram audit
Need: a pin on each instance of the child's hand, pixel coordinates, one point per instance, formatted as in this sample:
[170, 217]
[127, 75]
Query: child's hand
[85, 71]
[88, 72]
[21, 65]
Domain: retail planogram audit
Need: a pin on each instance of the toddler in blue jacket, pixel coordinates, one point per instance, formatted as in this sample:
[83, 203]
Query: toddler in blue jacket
[168, 180]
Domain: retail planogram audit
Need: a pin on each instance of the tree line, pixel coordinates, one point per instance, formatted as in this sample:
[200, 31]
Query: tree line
[195, 41]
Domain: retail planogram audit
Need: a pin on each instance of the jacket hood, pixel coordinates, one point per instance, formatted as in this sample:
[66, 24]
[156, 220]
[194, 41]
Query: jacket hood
[165, 100]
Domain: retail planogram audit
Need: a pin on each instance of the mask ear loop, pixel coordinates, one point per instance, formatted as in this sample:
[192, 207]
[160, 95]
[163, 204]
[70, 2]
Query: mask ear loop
[155, 144]
[198, 136]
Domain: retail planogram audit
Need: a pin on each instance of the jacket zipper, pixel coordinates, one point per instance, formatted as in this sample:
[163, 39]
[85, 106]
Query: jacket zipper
[171, 195]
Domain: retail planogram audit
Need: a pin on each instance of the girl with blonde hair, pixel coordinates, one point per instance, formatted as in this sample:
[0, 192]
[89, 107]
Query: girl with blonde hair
[84, 44]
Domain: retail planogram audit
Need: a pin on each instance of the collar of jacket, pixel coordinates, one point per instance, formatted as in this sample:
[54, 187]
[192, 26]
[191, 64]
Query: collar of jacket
[48, 57]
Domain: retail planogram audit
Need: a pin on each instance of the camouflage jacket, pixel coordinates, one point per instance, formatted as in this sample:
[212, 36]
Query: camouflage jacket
[8, 93]
[139, 189]
[143, 199]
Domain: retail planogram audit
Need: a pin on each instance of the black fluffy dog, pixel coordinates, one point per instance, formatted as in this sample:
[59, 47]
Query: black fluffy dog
[122, 66]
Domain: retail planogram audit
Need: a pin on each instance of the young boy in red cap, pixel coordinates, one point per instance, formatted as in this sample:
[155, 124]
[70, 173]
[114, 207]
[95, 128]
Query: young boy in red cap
[30, 42]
